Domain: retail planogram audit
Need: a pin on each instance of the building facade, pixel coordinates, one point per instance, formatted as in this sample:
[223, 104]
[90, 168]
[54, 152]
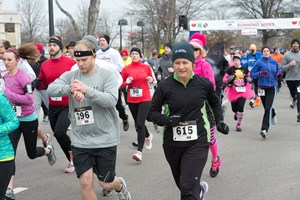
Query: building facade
[10, 26]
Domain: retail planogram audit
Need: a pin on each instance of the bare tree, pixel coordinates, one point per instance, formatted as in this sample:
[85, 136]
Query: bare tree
[264, 9]
[32, 17]
[91, 19]
[161, 17]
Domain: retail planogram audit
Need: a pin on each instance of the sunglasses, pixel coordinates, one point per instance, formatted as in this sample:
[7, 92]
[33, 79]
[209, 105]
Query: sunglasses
[196, 49]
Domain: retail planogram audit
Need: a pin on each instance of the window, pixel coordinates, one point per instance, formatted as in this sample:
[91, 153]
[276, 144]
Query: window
[9, 27]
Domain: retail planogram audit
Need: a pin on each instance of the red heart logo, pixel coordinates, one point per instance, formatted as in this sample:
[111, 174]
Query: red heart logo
[194, 25]
[294, 22]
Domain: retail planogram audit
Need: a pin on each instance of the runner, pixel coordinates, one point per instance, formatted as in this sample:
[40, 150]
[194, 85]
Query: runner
[291, 65]
[238, 89]
[93, 93]
[19, 93]
[137, 76]
[8, 123]
[113, 56]
[204, 69]
[267, 71]
[58, 107]
[184, 95]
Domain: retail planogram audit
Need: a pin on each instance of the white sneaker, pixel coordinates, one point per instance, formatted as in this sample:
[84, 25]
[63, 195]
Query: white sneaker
[137, 156]
[204, 189]
[274, 120]
[148, 141]
[263, 134]
[70, 168]
[124, 193]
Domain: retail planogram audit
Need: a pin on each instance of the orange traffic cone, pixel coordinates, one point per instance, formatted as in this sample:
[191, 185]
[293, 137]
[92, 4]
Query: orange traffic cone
[257, 101]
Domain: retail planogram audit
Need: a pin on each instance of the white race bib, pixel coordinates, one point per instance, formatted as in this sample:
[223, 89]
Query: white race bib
[187, 131]
[240, 89]
[136, 92]
[261, 92]
[84, 115]
[56, 98]
[17, 110]
[298, 89]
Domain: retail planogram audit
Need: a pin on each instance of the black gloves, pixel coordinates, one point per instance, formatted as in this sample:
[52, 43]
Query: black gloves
[36, 83]
[174, 120]
[264, 73]
[279, 75]
[222, 128]
[230, 78]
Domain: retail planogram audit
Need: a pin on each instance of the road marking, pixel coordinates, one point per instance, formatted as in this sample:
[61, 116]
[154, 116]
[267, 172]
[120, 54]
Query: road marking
[19, 189]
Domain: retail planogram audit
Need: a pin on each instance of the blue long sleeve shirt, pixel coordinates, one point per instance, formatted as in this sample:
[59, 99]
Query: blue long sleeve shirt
[269, 65]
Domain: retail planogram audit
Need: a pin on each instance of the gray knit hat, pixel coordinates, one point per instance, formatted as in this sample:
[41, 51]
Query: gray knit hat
[93, 40]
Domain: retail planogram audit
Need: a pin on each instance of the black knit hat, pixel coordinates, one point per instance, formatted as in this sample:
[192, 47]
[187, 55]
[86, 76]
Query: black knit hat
[295, 40]
[168, 45]
[236, 57]
[183, 50]
[137, 50]
[106, 37]
[71, 44]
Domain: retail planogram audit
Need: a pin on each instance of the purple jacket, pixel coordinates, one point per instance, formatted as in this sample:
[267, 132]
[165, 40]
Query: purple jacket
[204, 69]
[14, 91]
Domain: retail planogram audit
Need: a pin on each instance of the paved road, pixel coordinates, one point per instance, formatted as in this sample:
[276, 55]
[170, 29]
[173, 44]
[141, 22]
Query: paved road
[252, 169]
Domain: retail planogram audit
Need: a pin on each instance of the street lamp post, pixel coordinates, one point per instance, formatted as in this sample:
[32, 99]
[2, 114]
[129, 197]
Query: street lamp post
[131, 14]
[51, 21]
[142, 24]
[121, 22]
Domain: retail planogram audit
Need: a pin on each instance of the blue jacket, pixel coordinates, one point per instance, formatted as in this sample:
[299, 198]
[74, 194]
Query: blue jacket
[266, 64]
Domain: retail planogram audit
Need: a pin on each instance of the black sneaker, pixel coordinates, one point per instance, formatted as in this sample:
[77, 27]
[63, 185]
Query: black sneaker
[106, 193]
[125, 125]
[134, 144]
[251, 103]
[298, 118]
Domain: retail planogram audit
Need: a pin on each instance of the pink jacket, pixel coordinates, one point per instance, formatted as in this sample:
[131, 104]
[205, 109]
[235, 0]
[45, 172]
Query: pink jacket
[14, 91]
[204, 69]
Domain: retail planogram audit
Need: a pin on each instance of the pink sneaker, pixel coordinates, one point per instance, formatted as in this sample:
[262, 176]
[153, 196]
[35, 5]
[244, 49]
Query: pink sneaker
[137, 156]
[214, 170]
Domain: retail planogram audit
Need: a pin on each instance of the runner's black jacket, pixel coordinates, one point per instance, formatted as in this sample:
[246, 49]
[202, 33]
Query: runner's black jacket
[187, 101]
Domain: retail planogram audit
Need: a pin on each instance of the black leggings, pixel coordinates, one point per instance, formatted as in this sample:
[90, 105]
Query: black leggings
[59, 122]
[267, 102]
[120, 108]
[6, 171]
[238, 105]
[29, 130]
[187, 164]
[292, 85]
[139, 113]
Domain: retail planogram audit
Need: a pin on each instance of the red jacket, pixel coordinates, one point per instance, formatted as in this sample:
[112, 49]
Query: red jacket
[139, 73]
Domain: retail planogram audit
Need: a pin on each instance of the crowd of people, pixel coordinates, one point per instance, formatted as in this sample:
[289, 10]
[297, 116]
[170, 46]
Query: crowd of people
[83, 90]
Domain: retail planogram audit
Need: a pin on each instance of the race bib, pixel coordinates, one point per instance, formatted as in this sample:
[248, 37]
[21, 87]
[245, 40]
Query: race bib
[17, 110]
[84, 115]
[240, 89]
[261, 92]
[298, 89]
[56, 98]
[187, 131]
[136, 92]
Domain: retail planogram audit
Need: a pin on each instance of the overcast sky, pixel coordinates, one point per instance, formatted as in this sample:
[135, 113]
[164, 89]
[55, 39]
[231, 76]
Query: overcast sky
[71, 5]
